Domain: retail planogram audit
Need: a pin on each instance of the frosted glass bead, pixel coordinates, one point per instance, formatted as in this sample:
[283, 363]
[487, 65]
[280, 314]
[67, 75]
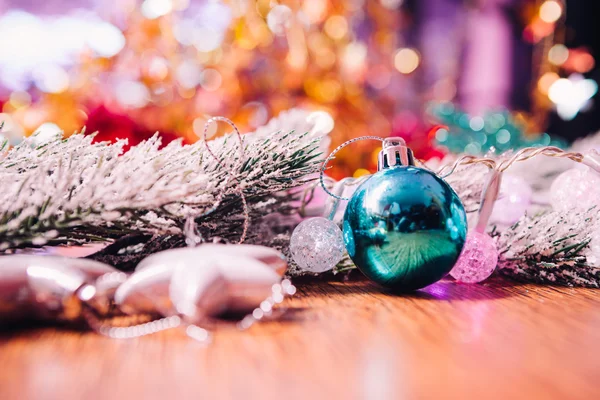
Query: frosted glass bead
[575, 188]
[317, 244]
[513, 201]
[478, 259]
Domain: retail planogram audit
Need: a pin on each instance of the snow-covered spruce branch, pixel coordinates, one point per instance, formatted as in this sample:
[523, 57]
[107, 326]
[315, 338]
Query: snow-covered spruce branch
[553, 247]
[73, 191]
[544, 246]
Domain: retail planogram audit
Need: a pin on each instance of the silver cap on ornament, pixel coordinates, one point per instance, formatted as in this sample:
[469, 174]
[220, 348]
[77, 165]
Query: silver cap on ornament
[394, 152]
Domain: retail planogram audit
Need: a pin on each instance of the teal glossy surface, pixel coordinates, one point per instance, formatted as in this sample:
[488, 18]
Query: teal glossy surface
[405, 228]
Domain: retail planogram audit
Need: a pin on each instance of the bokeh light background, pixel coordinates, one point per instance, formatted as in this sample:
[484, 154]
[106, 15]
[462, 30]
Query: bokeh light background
[128, 68]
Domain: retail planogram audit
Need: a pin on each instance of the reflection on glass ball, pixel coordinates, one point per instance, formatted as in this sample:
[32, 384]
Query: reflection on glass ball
[405, 228]
[317, 245]
[478, 259]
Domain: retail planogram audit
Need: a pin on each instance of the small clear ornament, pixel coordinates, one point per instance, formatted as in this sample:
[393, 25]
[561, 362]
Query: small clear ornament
[317, 245]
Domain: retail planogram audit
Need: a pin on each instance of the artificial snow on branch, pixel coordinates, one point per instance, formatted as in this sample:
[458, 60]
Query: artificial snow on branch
[545, 245]
[75, 191]
[553, 247]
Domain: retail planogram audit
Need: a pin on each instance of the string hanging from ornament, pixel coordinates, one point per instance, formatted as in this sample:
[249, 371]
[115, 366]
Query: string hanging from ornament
[231, 175]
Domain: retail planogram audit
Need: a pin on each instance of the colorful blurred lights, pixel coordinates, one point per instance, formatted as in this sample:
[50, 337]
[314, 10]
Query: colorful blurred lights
[323, 121]
[354, 57]
[580, 60]
[199, 125]
[336, 27]
[105, 39]
[188, 74]
[132, 94]
[537, 30]
[158, 68]
[558, 54]
[51, 78]
[315, 10]
[180, 5]
[572, 95]
[361, 172]
[279, 19]
[473, 148]
[207, 39]
[211, 80]
[476, 123]
[391, 4]
[30, 41]
[379, 77]
[19, 99]
[153, 9]
[406, 60]
[550, 11]
[546, 81]
[441, 135]
[503, 136]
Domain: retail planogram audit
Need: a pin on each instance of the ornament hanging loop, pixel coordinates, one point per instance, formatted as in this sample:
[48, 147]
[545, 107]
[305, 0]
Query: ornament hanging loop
[332, 205]
[237, 134]
[192, 236]
[332, 156]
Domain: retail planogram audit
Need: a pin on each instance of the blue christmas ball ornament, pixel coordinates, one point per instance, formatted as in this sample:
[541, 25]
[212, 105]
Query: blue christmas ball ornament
[404, 227]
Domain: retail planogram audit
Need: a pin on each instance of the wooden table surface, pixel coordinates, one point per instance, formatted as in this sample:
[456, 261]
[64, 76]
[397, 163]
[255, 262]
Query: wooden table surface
[339, 340]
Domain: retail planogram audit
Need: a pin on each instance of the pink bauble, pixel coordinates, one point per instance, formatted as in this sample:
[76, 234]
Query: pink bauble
[575, 189]
[478, 259]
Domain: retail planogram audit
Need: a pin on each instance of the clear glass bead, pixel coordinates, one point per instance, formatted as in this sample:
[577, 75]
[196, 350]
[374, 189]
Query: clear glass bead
[317, 244]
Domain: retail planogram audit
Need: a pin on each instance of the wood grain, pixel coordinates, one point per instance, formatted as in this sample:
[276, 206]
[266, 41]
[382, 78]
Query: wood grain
[339, 340]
